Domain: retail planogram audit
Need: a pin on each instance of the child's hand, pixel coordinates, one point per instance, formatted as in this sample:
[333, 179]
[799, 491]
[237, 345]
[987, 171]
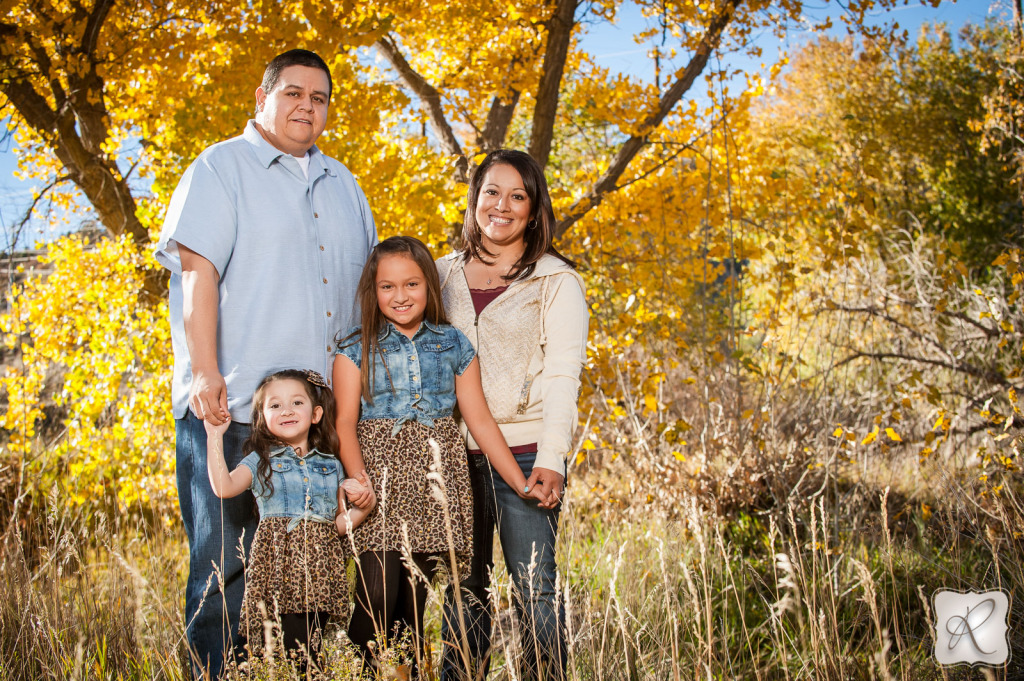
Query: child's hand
[528, 493]
[217, 430]
[359, 491]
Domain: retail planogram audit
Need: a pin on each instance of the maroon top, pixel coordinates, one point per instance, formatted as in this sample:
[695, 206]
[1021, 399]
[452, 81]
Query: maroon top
[483, 297]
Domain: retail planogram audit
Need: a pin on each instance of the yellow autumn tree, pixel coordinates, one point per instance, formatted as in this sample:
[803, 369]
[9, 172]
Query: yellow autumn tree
[115, 99]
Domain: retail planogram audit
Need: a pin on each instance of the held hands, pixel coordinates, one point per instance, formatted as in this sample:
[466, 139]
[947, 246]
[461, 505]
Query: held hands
[526, 491]
[359, 491]
[217, 429]
[208, 397]
[546, 485]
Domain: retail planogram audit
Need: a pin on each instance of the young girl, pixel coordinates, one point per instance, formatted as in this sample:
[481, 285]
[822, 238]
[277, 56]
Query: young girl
[296, 570]
[397, 379]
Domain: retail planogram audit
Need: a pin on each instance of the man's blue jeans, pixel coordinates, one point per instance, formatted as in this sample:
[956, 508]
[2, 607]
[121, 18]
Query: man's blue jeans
[215, 529]
[527, 535]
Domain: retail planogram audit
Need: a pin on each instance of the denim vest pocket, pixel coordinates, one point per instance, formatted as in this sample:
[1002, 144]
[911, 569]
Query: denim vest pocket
[438, 366]
[383, 371]
[280, 472]
[324, 474]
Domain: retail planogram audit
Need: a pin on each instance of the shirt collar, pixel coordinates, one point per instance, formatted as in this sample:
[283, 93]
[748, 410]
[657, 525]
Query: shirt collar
[389, 327]
[286, 450]
[267, 153]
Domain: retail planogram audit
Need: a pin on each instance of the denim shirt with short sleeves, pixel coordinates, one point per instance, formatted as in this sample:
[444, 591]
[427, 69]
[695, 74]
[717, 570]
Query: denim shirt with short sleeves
[413, 378]
[305, 487]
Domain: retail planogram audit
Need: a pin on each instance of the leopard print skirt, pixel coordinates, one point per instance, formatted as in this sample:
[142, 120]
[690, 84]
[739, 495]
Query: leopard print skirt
[408, 503]
[292, 572]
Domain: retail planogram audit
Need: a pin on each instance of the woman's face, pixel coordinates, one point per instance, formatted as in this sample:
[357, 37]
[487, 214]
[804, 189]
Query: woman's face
[502, 208]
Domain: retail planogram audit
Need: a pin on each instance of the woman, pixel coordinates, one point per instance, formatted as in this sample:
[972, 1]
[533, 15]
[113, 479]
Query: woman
[522, 306]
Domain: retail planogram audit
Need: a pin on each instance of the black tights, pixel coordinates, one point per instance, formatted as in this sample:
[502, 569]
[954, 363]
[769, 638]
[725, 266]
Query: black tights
[302, 632]
[390, 600]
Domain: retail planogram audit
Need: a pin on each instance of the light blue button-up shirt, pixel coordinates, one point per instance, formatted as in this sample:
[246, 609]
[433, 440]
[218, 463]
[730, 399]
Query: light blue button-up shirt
[304, 487]
[413, 378]
[289, 251]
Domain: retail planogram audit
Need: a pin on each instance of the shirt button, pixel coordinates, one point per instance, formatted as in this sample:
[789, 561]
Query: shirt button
[413, 358]
[321, 248]
[325, 281]
[306, 480]
[416, 396]
[328, 313]
[316, 215]
[330, 348]
[302, 462]
[415, 378]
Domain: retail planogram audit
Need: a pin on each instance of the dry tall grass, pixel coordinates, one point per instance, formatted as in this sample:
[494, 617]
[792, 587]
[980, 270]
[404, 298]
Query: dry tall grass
[768, 548]
[831, 585]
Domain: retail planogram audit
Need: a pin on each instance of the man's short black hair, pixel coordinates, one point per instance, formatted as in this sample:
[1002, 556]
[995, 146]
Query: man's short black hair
[294, 58]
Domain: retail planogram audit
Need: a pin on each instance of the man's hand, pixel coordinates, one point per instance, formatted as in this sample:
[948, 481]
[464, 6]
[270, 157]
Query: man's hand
[216, 430]
[208, 397]
[546, 484]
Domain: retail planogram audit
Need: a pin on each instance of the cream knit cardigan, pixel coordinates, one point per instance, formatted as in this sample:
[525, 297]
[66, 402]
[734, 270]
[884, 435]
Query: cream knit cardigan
[532, 345]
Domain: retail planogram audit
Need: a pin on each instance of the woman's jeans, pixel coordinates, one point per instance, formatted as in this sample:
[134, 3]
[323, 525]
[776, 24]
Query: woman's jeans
[527, 535]
[215, 528]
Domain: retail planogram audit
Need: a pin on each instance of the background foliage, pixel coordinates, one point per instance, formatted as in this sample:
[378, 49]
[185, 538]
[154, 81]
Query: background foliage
[805, 359]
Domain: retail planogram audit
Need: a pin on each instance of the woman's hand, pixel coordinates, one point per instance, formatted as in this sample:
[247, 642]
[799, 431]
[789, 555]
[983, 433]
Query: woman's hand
[546, 485]
[526, 492]
[359, 491]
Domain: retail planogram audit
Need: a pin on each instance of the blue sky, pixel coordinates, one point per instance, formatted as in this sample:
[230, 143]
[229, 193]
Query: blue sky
[613, 47]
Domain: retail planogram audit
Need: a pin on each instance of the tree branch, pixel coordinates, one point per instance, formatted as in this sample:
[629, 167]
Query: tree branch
[431, 100]
[16, 232]
[873, 311]
[498, 120]
[990, 375]
[76, 128]
[631, 147]
[560, 28]
[92, 28]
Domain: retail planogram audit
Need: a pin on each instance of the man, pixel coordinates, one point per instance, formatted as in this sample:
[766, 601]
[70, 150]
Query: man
[265, 238]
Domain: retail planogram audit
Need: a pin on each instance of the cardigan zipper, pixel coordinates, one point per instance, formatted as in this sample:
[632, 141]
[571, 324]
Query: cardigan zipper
[476, 315]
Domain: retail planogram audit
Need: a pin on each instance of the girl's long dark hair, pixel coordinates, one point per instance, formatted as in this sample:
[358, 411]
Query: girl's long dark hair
[322, 435]
[540, 229]
[373, 319]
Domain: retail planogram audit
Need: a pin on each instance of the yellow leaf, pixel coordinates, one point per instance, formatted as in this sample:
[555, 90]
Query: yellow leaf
[893, 435]
[650, 402]
[870, 437]
[588, 444]
[837, 432]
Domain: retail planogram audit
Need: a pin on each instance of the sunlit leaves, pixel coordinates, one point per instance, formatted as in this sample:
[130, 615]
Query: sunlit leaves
[112, 356]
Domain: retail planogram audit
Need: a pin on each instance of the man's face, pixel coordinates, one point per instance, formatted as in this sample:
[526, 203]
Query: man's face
[293, 114]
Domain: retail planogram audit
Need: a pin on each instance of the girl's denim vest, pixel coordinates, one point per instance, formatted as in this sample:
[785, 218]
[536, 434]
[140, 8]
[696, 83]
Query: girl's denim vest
[305, 488]
[413, 379]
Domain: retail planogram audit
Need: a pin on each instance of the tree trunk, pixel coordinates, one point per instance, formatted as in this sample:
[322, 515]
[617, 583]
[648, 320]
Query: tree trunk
[559, 36]
[1018, 23]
